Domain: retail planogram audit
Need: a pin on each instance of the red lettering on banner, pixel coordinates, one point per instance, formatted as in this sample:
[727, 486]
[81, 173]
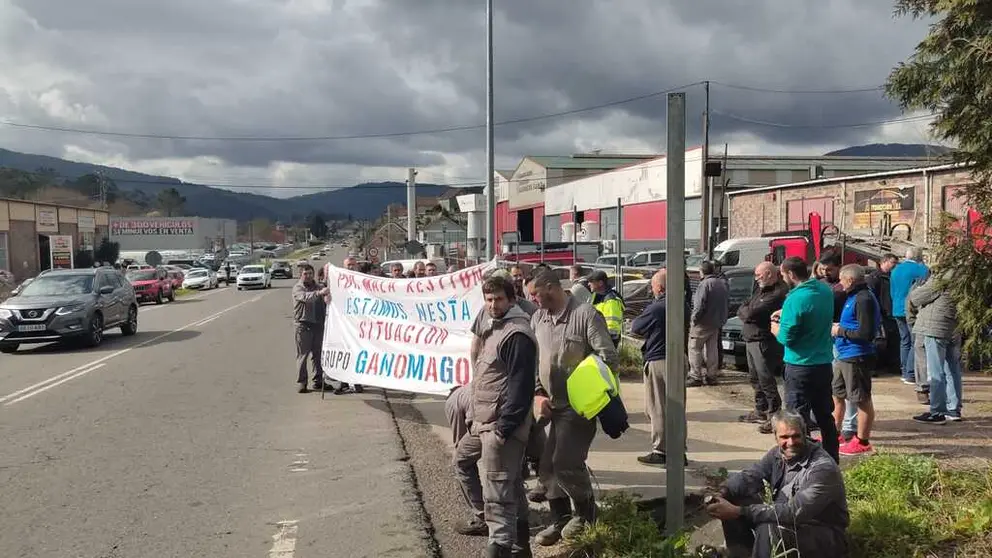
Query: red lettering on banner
[463, 372]
[373, 367]
[431, 374]
[378, 330]
[399, 366]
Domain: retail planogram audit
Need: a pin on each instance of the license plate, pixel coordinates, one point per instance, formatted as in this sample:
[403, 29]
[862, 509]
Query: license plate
[33, 327]
[728, 345]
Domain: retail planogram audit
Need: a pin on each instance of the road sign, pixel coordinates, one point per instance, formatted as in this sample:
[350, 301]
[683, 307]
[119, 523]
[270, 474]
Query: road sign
[153, 258]
[373, 252]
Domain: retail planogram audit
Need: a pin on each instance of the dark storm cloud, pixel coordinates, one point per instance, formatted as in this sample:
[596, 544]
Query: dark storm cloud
[322, 68]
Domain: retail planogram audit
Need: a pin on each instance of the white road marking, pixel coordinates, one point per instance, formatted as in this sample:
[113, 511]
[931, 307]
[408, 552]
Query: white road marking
[284, 541]
[74, 373]
[300, 465]
[58, 383]
[207, 321]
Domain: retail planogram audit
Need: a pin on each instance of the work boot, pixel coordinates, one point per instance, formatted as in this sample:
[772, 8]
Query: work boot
[585, 515]
[522, 548]
[561, 513]
[496, 551]
[474, 527]
[538, 494]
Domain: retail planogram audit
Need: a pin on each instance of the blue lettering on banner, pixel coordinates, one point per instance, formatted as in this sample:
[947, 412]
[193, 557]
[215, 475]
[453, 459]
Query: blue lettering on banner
[447, 370]
[451, 310]
[444, 370]
[370, 306]
[415, 367]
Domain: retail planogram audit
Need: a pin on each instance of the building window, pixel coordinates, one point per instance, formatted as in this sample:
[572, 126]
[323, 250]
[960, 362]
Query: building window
[4, 258]
[797, 212]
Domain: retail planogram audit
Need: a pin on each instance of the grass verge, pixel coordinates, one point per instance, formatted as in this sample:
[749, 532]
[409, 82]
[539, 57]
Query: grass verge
[624, 530]
[908, 506]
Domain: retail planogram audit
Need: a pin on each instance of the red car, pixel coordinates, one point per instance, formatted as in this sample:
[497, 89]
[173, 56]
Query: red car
[176, 278]
[151, 285]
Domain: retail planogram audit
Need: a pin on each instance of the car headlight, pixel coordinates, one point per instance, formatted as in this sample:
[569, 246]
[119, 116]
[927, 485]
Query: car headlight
[70, 309]
[5, 314]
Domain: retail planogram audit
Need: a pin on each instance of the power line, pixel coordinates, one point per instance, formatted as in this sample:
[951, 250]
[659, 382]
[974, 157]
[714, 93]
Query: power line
[821, 126]
[110, 133]
[798, 91]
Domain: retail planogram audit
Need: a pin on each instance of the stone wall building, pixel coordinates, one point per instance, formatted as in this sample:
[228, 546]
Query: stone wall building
[25, 228]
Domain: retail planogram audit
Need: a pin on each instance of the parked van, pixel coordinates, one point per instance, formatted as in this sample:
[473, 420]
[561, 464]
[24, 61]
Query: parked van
[650, 258]
[749, 252]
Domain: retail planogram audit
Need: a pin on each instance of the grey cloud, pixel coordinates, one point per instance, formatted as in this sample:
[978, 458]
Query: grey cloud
[257, 67]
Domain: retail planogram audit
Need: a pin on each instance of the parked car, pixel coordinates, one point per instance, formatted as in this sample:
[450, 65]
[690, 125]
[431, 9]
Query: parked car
[253, 276]
[732, 346]
[200, 279]
[68, 304]
[151, 285]
[281, 269]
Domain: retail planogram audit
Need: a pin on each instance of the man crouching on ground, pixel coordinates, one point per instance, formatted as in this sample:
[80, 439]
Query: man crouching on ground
[502, 396]
[808, 513]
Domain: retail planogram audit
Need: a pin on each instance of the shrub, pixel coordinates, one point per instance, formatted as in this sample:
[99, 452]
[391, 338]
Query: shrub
[905, 505]
[622, 530]
[631, 363]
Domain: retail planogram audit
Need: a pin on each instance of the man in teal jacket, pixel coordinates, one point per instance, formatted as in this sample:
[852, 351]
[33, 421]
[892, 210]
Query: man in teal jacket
[803, 326]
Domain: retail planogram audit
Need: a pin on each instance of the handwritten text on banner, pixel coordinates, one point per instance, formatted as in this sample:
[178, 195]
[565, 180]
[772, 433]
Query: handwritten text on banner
[403, 334]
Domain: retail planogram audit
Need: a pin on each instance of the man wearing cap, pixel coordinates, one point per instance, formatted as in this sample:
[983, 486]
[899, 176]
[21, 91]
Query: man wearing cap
[567, 332]
[608, 303]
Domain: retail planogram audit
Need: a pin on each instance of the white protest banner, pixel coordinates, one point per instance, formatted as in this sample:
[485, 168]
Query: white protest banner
[402, 334]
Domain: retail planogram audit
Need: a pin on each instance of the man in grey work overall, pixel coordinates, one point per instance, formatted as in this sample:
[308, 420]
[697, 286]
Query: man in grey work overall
[710, 306]
[309, 310]
[567, 332]
[502, 395]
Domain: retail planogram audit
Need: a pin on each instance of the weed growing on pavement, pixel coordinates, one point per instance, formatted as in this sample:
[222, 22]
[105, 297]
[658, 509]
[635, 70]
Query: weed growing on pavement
[906, 505]
[631, 362]
[623, 530]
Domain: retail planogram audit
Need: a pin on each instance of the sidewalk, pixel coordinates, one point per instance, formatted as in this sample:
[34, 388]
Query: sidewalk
[717, 440]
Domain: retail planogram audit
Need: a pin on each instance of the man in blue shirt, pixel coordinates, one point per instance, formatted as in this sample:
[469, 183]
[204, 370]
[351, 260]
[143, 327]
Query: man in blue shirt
[903, 276]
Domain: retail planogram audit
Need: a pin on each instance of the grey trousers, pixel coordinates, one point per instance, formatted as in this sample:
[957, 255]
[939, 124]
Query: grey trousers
[764, 364]
[654, 402]
[309, 338]
[704, 353]
[920, 364]
[503, 484]
[563, 465]
[466, 458]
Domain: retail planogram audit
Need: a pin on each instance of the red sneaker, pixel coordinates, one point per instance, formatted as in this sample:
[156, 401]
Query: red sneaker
[855, 447]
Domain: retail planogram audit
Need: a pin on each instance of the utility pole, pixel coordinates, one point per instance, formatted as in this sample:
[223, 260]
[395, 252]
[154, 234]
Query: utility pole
[705, 194]
[490, 152]
[675, 425]
[102, 185]
[411, 204]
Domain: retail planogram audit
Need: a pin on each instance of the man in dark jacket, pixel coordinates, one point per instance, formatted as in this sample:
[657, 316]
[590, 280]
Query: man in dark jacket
[854, 343]
[502, 396]
[651, 326]
[879, 282]
[764, 353]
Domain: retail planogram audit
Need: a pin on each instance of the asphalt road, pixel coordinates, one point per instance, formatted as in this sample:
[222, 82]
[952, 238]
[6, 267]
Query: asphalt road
[189, 440]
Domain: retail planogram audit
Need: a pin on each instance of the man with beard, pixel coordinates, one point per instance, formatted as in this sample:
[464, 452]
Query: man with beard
[803, 327]
[764, 353]
[502, 394]
[808, 513]
[517, 275]
[308, 312]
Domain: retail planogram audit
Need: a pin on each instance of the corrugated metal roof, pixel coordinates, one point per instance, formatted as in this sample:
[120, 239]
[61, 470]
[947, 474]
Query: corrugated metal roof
[565, 162]
[839, 179]
[755, 162]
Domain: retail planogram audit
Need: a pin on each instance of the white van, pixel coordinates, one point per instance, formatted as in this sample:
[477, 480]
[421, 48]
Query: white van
[650, 258]
[742, 252]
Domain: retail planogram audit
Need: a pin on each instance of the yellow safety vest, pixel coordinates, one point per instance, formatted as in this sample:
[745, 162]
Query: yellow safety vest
[611, 307]
[590, 386]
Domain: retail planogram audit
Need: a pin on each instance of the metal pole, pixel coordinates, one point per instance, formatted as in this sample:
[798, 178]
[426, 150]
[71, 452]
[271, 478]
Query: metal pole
[490, 152]
[575, 235]
[675, 426]
[411, 205]
[619, 281]
[544, 233]
[705, 194]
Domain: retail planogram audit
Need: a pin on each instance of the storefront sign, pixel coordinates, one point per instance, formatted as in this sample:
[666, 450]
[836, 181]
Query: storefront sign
[46, 219]
[86, 223]
[151, 227]
[60, 249]
[870, 205]
[403, 334]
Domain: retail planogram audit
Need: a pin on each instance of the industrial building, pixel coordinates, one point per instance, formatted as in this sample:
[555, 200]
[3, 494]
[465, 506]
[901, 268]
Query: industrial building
[144, 234]
[27, 229]
[535, 202]
[905, 203]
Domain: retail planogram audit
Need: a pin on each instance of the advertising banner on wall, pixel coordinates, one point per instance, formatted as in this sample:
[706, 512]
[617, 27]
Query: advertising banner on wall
[151, 226]
[46, 219]
[60, 249]
[404, 334]
[870, 205]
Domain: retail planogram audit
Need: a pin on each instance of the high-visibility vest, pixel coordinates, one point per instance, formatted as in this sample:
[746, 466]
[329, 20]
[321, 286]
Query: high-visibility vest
[611, 307]
[590, 386]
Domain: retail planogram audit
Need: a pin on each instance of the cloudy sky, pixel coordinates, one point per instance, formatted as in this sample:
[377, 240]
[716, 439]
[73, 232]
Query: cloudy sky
[299, 69]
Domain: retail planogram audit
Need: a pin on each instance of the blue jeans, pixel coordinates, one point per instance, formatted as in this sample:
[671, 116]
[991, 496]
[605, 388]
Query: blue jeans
[906, 349]
[944, 366]
[850, 425]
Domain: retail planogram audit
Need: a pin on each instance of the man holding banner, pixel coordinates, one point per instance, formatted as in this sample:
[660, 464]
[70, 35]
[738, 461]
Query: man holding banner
[567, 332]
[502, 394]
[309, 312]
